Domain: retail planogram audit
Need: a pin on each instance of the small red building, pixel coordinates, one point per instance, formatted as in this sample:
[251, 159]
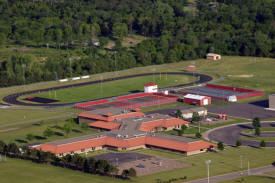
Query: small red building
[197, 99]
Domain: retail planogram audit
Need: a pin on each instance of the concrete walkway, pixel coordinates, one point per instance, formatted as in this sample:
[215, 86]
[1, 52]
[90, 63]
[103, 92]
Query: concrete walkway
[224, 177]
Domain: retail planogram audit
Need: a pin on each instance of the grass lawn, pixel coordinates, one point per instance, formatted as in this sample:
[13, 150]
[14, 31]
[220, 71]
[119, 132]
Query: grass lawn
[271, 139]
[270, 173]
[251, 179]
[25, 114]
[27, 172]
[222, 162]
[263, 129]
[36, 129]
[113, 88]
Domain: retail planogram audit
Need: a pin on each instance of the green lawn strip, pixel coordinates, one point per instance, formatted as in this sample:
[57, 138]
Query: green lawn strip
[112, 88]
[270, 173]
[163, 106]
[271, 139]
[222, 162]
[27, 171]
[36, 129]
[251, 179]
[94, 153]
[263, 129]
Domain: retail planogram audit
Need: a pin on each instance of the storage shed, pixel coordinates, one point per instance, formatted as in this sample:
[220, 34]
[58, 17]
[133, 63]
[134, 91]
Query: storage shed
[196, 99]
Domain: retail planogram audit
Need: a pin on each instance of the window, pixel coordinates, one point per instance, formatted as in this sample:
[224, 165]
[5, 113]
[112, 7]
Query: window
[93, 148]
[82, 150]
[72, 152]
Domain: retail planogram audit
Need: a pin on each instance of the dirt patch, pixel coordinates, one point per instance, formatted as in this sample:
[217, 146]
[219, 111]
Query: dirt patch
[152, 165]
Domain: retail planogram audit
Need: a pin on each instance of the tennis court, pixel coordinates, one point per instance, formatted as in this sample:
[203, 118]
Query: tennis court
[222, 92]
[130, 101]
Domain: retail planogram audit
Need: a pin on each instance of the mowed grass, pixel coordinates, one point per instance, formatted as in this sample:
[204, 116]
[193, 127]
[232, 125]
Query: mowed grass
[222, 162]
[271, 139]
[17, 115]
[251, 179]
[36, 129]
[113, 88]
[15, 171]
[270, 173]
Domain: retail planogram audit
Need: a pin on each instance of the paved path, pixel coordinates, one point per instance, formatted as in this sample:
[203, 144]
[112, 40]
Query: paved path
[231, 133]
[254, 171]
[12, 99]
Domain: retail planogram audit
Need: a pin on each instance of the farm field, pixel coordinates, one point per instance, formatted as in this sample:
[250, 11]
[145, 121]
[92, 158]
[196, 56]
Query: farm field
[251, 179]
[113, 88]
[222, 162]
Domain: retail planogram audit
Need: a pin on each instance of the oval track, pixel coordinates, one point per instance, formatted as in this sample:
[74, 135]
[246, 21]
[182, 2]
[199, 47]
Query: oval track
[12, 99]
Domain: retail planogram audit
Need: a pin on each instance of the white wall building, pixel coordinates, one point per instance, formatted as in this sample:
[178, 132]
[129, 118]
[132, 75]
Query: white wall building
[150, 88]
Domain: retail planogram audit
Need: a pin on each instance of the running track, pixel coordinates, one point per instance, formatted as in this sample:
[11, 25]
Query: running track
[12, 99]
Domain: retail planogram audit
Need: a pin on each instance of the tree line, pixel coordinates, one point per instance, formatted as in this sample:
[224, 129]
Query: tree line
[75, 161]
[175, 31]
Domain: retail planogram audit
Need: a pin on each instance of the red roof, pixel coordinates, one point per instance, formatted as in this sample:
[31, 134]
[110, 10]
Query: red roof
[166, 123]
[110, 118]
[150, 84]
[107, 125]
[126, 143]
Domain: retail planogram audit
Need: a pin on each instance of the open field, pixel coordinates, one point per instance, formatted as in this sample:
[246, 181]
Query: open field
[222, 162]
[26, 172]
[25, 114]
[251, 179]
[113, 88]
[36, 129]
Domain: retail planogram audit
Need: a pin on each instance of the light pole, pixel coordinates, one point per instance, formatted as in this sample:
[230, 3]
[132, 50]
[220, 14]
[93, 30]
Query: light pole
[207, 162]
[241, 159]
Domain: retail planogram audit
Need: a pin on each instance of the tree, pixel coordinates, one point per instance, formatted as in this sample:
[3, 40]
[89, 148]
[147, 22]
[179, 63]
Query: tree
[179, 114]
[238, 143]
[220, 146]
[181, 131]
[119, 30]
[132, 172]
[2, 38]
[256, 122]
[48, 132]
[125, 173]
[195, 117]
[257, 131]
[198, 135]
[29, 137]
[262, 143]
[67, 128]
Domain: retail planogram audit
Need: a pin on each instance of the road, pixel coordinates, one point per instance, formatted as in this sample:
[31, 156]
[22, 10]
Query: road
[224, 177]
[12, 99]
[231, 133]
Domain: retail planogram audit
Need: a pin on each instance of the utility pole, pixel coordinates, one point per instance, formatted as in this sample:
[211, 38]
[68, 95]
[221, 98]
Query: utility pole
[199, 127]
[207, 162]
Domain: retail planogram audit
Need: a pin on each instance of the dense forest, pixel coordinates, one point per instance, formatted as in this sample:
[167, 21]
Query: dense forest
[175, 30]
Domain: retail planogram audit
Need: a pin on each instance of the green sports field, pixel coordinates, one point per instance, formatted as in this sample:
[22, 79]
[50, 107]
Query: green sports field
[113, 88]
